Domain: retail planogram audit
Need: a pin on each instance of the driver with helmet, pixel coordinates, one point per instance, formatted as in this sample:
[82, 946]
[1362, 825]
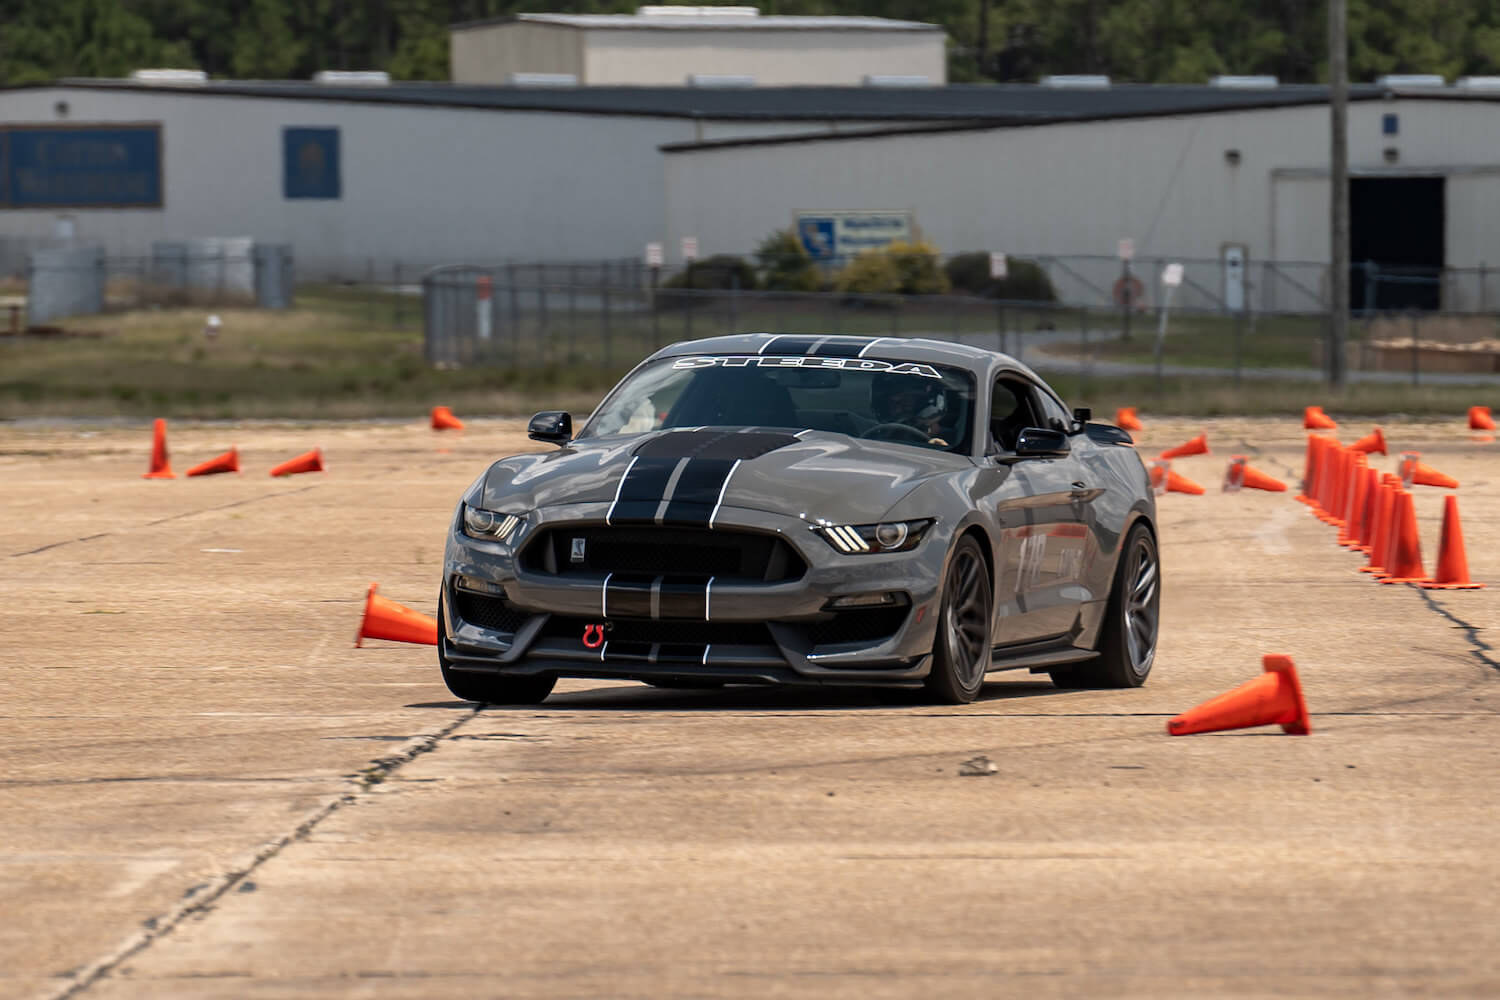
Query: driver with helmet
[917, 402]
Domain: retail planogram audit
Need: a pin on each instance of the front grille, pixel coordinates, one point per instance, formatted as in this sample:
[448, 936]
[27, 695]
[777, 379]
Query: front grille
[493, 613]
[646, 630]
[858, 625]
[664, 551]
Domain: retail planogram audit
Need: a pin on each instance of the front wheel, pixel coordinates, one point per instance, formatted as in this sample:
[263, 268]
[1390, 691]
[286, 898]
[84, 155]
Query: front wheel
[1127, 640]
[491, 689]
[961, 648]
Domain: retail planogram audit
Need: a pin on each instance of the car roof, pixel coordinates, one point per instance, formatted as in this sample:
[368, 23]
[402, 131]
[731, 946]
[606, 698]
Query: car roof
[920, 349]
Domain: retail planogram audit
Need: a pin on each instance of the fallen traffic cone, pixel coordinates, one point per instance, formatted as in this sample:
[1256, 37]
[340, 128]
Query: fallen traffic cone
[1404, 562]
[1126, 419]
[1480, 419]
[1452, 571]
[1164, 480]
[1414, 473]
[444, 420]
[1273, 698]
[1242, 475]
[227, 462]
[1314, 419]
[385, 619]
[1371, 443]
[1197, 446]
[160, 467]
[311, 461]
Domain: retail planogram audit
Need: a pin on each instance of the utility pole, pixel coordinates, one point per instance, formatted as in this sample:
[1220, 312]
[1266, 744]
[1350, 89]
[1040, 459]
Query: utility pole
[1338, 190]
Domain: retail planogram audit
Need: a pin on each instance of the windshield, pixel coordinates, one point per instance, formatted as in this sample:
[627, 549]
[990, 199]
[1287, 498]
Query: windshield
[930, 406]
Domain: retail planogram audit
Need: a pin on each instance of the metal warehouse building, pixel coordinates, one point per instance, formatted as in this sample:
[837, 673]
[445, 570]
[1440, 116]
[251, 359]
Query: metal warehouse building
[437, 173]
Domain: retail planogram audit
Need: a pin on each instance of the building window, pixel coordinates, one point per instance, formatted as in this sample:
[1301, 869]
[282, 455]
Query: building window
[310, 163]
[1390, 124]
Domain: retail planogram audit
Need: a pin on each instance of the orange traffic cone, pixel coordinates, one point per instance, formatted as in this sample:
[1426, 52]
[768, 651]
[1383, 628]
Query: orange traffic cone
[1480, 419]
[1164, 480]
[1452, 572]
[1371, 443]
[1126, 419]
[444, 420]
[1414, 473]
[1242, 475]
[385, 619]
[1354, 502]
[1314, 419]
[1273, 698]
[227, 462]
[1366, 534]
[1404, 563]
[1336, 460]
[1385, 507]
[1197, 446]
[1304, 494]
[311, 461]
[161, 468]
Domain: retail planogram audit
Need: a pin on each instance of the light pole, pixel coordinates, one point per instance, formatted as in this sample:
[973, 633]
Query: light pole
[1338, 191]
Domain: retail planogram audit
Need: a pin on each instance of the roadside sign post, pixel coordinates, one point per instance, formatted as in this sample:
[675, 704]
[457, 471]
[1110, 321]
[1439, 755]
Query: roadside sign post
[655, 257]
[999, 266]
[484, 287]
[1171, 280]
[1125, 250]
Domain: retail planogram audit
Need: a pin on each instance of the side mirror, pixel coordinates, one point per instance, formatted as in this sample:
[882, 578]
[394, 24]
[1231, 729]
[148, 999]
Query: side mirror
[1083, 414]
[1038, 442]
[552, 426]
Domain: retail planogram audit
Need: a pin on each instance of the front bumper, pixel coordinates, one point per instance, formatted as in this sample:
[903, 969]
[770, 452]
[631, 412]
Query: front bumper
[499, 616]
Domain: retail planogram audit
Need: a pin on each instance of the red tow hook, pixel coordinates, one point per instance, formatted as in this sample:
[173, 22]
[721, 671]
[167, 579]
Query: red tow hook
[593, 636]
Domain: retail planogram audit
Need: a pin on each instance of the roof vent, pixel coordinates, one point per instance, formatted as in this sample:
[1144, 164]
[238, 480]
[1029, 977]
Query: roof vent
[169, 76]
[720, 80]
[353, 78]
[1488, 83]
[542, 79]
[1245, 82]
[662, 10]
[1412, 80]
[896, 80]
[1080, 81]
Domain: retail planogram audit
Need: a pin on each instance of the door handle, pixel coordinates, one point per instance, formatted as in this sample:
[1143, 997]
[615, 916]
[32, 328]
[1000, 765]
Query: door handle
[1082, 491]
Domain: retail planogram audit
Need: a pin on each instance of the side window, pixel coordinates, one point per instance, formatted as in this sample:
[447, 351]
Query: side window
[1053, 413]
[1012, 410]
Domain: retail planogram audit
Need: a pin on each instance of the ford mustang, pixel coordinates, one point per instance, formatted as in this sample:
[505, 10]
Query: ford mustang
[794, 509]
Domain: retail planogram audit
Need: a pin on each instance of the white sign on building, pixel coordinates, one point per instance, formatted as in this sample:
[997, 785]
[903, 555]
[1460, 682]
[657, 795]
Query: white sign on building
[837, 235]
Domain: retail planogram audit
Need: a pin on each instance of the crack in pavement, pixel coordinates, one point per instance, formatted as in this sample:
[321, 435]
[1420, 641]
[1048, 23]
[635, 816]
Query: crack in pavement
[1479, 649]
[199, 900]
[163, 520]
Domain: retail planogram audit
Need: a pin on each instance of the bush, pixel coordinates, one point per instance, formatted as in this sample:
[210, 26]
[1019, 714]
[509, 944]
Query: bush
[872, 273]
[920, 267]
[714, 273]
[1024, 280]
[784, 264]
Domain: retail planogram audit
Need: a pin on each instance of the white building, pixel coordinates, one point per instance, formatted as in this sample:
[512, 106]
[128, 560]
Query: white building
[708, 46]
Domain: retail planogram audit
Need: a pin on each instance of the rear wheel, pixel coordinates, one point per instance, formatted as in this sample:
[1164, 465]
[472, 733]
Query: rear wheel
[491, 689]
[961, 648]
[1127, 640]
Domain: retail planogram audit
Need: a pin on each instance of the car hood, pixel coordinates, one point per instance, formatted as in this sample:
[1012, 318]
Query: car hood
[817, 476]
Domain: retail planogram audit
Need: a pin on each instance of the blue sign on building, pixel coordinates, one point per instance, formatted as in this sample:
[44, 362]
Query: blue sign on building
[310, 163]
[104, 166]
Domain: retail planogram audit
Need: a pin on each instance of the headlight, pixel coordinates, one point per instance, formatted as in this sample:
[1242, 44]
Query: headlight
[481, 523]
[888, 536]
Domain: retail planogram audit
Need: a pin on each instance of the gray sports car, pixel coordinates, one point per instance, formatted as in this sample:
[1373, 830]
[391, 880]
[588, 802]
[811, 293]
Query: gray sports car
[792, 509]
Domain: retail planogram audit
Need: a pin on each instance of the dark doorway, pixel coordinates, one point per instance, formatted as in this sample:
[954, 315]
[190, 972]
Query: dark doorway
[1396, 224]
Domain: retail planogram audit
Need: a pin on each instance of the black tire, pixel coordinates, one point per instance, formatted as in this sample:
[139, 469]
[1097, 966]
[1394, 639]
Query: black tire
[961, 647]
[490, 689]
[1127, 639]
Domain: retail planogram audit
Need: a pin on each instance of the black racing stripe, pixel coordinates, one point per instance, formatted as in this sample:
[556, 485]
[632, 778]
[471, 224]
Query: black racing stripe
[683, 598]
[628, 595]
[641, 492]
[710, 444]
[843, 347]
[698, 491]
[787, 346]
